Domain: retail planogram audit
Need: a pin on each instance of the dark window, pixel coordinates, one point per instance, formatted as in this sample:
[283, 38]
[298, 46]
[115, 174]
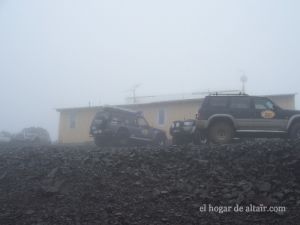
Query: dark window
[240, 103]
[117, 118]
[263, 103]
[72, 120]
[218, 102]
[102, 115]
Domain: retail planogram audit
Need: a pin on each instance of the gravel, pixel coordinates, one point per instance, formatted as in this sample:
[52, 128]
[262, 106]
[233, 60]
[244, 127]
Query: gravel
[252, 182]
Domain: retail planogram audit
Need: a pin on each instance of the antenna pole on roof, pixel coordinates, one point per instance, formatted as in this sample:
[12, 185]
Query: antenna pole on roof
[243, 80]
[133, 89]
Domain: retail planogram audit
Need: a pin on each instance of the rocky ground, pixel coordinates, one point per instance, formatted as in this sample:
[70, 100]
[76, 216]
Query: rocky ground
[176, 185]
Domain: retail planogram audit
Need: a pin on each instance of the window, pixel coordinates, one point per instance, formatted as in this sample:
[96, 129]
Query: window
[161, 117]
[218, 101]
[240, 103]
[263, 103]
[72, 120]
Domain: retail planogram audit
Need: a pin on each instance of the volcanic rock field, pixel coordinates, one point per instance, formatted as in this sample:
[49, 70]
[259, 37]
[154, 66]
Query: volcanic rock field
[251, 182]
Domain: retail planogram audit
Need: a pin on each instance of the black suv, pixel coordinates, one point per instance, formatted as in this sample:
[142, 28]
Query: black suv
[222, 117]
[184, 132]
[119, 126]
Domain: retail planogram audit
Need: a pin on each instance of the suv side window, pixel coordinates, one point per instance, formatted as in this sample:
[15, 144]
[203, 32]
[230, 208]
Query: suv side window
[263, 103]
[216, 102]
[240, 103]
[117, 119]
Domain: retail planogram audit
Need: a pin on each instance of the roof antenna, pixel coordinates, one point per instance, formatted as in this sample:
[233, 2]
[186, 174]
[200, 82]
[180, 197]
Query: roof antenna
[243, 80]
[133, 89]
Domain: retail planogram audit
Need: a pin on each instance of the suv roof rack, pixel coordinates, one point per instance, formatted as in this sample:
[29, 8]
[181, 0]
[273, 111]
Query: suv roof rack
[120, 109]
[227, 94]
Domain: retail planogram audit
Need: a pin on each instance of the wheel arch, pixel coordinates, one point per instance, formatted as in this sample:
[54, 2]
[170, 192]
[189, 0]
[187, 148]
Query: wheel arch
[221, 118]
[294, 119]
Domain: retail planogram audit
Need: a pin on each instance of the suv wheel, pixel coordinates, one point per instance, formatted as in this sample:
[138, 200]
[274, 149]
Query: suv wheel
[221, 132]
[295, 131]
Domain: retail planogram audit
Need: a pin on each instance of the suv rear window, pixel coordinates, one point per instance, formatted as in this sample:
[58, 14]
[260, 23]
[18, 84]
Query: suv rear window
[101, 115]
[216, 102]
[239, 103]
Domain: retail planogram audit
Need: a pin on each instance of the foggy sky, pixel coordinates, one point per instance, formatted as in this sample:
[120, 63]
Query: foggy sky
[65, 53]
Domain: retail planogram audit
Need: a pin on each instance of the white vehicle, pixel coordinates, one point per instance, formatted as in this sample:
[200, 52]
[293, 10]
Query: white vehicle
[4, 137]
[36, 135]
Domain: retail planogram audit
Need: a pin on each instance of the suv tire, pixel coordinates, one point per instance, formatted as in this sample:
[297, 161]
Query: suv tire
[295, 131]
[221, 132]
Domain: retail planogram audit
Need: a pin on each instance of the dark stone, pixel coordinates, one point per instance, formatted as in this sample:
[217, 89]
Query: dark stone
[84, 184]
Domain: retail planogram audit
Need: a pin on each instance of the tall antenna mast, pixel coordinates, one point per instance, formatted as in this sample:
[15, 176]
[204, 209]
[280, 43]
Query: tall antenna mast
[243, 80]
[133, 89]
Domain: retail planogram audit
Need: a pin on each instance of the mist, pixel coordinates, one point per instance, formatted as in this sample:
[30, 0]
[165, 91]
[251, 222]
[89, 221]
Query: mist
[57, 54]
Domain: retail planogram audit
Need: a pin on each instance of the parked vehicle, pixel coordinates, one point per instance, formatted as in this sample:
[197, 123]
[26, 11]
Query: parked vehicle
[5, 137]
[35, 135]
[184, 132]
[222, 117]
[120, 126]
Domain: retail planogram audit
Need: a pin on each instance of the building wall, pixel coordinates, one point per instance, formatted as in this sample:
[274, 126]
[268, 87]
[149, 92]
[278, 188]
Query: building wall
[79, 133]
[83, 118]
[174, 110]
[284, 101]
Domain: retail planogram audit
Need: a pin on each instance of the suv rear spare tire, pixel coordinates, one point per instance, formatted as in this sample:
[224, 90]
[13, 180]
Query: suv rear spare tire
[220, 132]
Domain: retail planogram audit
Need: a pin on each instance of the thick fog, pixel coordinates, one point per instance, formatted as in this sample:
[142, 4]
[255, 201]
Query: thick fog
[67, 53]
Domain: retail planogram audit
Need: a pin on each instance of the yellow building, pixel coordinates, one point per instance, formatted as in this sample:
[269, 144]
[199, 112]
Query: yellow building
[74, 123]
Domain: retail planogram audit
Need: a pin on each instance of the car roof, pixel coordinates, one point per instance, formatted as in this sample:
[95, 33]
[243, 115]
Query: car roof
[120, 110]
[229, 95]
